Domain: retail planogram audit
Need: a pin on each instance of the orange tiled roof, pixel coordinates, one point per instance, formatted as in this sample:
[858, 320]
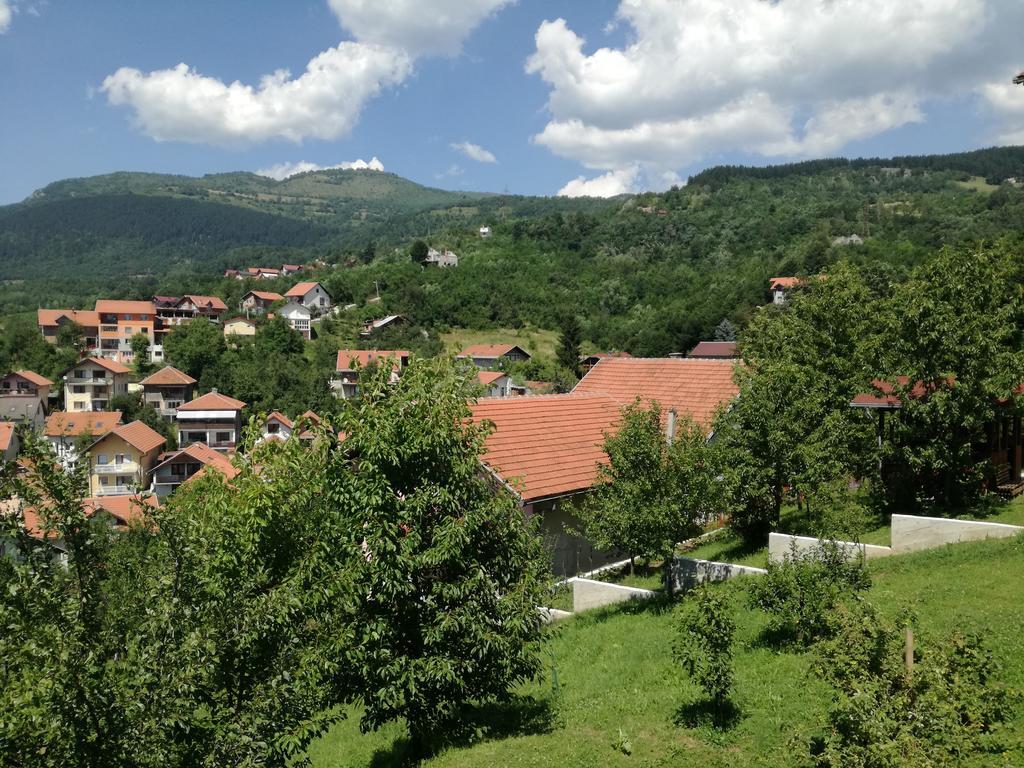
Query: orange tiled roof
[111, 365]
[280, 418]
[6, 435]
[125, 509]
[213, 401]
[265, 295]
[347, 357]
[547, 445]
[488, 350]
[694, 388]
[138, 435]
[783, 282]
[299, 290]
[168, 376]
[720, 349]
[84, 317]
[71, 424]
[488, 377]
[206, 456]
[34, 378]
[118, 307]
[212, 302]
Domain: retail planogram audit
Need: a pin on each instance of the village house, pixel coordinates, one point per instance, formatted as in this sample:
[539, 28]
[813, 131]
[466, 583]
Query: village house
[119, 321]
[91, 383]
[175, 468]
[52, 320]
[498, 384]
[299, 317]
[67, 431]
[10, 444]
[239, 326]
[290, 269]
[589, 361]
[490, 355]
[780, 287]
[210, 307]
[263, 273]
[715, 350]
[311, 295]
[442, 259]
[256, 303]
[345, 383]
[27, 383]
[167, 390]
[546, 448]
[22, 409]
[383, 324]
[213, 419]
[485, 231]
[277, 426]
[120, 461]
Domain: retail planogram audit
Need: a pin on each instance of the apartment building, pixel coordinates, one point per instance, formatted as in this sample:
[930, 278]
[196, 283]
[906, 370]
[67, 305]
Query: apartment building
[90, 383]
[214, 419]
[119, 321]
[167, 390]
[52, 320]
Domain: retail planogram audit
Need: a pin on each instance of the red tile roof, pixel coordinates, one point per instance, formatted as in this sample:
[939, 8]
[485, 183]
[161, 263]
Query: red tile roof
[118, 307]
[266, 295]
[111, 365]
[299, 290]
[547, 445]
[84, 317]
[6, 435]
[348, 357]
[71, 424]
[125, 509]
[210, 302]
[489, 350]
[206, 456]
[884, 395]
[604, 355]
[280, 418]
[138, 435]
[34, 378]
[720, 349]
[168, 376]
[213, 401]
[489, 377]
[783, 282]
[694, 388]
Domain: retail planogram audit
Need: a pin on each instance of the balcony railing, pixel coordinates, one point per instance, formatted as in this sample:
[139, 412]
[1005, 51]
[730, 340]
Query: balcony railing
[113, 468]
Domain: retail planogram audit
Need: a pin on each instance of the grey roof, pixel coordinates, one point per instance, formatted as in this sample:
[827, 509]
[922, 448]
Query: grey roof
[21, 408]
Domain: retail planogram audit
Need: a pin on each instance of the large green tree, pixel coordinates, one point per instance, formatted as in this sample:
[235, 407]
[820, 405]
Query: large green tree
[194, 347]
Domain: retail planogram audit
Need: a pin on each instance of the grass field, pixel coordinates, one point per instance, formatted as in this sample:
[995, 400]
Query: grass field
[536, 341]
[978, 184]
[617, 681]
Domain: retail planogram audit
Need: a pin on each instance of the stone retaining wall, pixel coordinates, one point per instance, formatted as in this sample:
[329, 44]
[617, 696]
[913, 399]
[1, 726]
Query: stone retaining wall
[911, 533]
[780, 545]
[688, 572]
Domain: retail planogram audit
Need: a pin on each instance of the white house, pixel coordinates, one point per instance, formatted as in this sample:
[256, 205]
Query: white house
[442, 259]
[311, 295]
[66, 430]
[298, 317]
[485, 231]
[213, 419]
[498, 384]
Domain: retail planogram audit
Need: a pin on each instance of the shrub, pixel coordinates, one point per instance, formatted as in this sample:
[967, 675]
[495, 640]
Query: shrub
[801, 592]
[941, 714]
[705, 630]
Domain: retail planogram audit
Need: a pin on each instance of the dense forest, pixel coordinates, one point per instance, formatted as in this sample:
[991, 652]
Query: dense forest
[650, 274]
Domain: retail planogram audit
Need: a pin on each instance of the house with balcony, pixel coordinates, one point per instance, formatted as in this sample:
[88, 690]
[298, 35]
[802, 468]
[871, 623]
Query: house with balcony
[91, 383]
[119, 321]
[256, 303]
[210, 307]
[345, 382]
[26, 383]
[175, 468]
[167, 390]
[489, 356]
[311, 295]
[213, 419]
[67, 431]
[52, 320]
[299, 317]
[121, 461]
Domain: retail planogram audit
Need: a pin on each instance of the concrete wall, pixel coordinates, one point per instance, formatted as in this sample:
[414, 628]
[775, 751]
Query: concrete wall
[911, 533]
[588, 594]
[779, 545]
[551, 615]
[688, 572]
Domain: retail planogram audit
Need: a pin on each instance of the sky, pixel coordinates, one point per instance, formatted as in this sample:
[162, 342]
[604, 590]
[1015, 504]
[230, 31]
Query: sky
[594, 97]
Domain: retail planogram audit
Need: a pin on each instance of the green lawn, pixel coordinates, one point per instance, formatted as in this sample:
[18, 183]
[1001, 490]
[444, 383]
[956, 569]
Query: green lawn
[536, 341]
[978, 184]
[617, 680]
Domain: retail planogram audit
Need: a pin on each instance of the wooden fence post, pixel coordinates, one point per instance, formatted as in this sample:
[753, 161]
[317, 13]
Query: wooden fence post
[908, 652]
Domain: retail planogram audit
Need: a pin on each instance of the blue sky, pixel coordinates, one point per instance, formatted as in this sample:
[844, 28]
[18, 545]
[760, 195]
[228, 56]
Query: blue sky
[619, 95]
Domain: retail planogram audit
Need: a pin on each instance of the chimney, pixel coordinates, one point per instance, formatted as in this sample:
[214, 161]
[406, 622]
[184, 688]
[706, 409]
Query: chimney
[670, 426]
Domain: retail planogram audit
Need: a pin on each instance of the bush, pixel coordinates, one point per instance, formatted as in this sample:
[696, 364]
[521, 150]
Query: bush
[801, 592]
[705, 630]
[946, 711]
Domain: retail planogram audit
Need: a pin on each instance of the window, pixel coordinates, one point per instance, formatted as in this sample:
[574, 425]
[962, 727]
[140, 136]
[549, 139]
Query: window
[119, 459]
[80, 374]
[273, 428]
[127, 330]
[79, 406]
[101, 459]
[223, 437]
[78, 390]
[103, 480]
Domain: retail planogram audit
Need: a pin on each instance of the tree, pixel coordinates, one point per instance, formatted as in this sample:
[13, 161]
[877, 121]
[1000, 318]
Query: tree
[194, 347]
[140, 352]
[419, 251]
[725, 331]
[71, 336]
[704, 636]
[651, 494]
[568, 352]
[449, 573]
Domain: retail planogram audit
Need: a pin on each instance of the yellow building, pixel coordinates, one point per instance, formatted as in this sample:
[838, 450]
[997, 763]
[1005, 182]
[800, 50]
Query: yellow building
[90, 383]
[240, 326]
[121, 461]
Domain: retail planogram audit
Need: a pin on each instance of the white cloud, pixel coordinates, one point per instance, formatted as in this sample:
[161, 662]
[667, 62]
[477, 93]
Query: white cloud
[474, 152]
[5, 16]
[416, 26]
[324, 102]
[1006, 99]
[282, 171]
[607, 185]
[784, 78]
